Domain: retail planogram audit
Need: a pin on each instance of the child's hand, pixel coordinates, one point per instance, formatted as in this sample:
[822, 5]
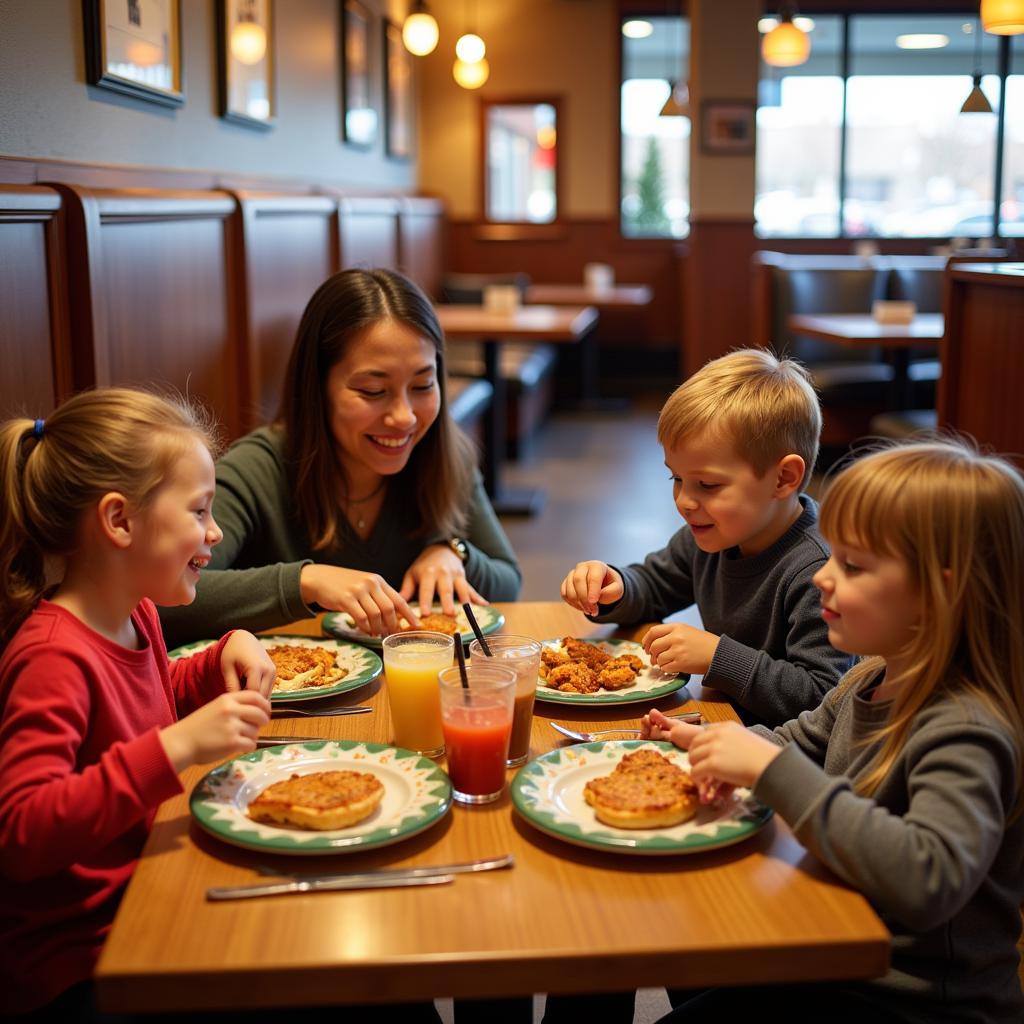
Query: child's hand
[590, 584]
[677, 647]
[656, 726]
[229, 724]
[244, 657]
[727, 752]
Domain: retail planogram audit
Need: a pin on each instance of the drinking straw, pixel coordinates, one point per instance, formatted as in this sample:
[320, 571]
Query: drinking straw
[468, 609]
[462, 661]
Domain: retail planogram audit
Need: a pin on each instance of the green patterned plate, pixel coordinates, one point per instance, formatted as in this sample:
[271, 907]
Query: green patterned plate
[548, 793]
[340, 624]
[416, 794]
[650, 684]
[362, 666]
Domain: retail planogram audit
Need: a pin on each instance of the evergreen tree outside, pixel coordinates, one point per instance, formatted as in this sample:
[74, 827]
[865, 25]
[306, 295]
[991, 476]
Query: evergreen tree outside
[650, 218]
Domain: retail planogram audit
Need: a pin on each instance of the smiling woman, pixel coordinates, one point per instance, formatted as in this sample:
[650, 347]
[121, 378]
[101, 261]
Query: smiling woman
[363, 495]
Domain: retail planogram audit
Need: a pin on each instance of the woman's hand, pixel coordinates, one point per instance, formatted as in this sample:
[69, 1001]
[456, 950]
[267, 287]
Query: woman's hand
[440, 571]
[728, 752]
[677, 647]
[244, 657]
[229, 724]
[374, 605]
[590, 584]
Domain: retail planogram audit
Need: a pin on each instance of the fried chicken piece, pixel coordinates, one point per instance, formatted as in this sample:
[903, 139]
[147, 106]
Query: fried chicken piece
[573, 677]
[438, 622]
[617, 678]
[626, 661]
[552, 657]
[580, 650]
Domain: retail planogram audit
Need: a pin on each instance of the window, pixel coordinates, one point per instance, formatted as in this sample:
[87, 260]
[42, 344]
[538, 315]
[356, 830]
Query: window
[1012, 207]
[867, 137]
[522, 161]
[655, 163]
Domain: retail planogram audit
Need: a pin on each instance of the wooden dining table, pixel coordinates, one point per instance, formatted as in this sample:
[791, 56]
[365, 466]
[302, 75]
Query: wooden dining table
[563, 919]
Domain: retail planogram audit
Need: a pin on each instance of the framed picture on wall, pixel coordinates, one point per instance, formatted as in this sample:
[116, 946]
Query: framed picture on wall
[359, 118]
[399, 119]
[245, 61]
[134, 47]
[727, 127]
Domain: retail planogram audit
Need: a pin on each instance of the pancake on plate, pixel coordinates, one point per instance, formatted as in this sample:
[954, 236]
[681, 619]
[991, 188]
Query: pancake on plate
[300, 667]
[646, 790]
[319, 801]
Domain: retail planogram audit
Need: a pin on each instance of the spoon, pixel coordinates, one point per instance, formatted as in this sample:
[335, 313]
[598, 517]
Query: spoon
[692, 717]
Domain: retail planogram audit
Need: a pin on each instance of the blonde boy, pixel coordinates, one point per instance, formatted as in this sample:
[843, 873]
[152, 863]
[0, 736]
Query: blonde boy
[740, 439]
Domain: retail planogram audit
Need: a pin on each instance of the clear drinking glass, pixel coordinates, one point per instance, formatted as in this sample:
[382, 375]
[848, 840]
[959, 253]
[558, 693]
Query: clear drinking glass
[522, 655]
[412, 661]
[477, 723]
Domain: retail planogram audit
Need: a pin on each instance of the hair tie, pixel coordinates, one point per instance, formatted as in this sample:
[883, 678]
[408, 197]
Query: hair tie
[37, 430]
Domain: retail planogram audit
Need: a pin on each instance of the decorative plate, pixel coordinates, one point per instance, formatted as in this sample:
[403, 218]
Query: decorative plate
[548, 793]
[340, 624]
[416, 794]
[650, 683]
[362, 666]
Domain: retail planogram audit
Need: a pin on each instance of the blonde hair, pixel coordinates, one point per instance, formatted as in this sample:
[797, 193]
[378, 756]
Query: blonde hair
[112, 439]
[956, 518]
[765, 406]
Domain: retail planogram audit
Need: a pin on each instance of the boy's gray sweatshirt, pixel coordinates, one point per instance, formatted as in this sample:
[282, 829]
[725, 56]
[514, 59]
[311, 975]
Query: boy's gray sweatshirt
[774, 658]
[931, 849]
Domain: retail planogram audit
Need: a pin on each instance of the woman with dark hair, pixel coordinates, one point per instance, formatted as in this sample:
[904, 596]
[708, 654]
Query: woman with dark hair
[363, 494]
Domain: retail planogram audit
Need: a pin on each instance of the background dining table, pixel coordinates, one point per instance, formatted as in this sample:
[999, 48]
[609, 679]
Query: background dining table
[563, 919]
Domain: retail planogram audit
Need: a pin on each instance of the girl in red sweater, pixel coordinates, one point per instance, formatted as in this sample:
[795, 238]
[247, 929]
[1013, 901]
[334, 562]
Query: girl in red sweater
[111, 500]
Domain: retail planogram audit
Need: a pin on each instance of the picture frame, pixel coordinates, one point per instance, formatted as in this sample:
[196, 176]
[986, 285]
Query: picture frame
[246, 62]
[133, 47]
[359, 117]
[728, 127]
[399, 113]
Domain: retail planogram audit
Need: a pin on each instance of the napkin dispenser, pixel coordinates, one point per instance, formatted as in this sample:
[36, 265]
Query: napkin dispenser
[893, 311]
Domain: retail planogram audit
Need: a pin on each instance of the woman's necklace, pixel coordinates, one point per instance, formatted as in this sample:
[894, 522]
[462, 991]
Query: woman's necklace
[360, 523]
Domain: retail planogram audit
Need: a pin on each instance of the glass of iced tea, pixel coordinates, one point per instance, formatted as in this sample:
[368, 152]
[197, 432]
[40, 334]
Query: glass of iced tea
[522, 655]
[477, 723]
[412, 661]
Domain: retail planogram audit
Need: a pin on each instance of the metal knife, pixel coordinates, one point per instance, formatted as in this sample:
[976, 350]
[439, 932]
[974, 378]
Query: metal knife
[464, 867]
[366, 881]
[273, 741]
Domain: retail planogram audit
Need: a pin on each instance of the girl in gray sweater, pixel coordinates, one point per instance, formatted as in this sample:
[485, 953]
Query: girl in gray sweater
[907, 779]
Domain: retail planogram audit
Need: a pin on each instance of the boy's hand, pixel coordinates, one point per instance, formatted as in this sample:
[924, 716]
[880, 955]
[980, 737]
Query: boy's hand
[244, 657]
[677, 647]
[591, 584]
[727, 752]
[656, 726]
[229, 724]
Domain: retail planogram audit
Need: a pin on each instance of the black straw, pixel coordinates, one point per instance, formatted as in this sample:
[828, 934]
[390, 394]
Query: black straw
[468, 609]
[462, 661]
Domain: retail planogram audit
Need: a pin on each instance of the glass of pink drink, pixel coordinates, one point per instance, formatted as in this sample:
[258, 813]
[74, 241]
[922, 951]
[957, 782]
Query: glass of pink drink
[477, 723]
[522, 655]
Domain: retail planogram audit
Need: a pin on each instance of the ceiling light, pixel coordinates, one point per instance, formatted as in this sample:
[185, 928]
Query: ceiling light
[922, 41]
[419, 30]
[678, 102]
[470, 48]
[471, 76]
[786, 45]
[1003, 17]
[637, 28]
[976, 102]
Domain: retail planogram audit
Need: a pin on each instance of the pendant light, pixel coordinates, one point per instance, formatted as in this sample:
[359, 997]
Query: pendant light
[470, 69]
[419, 30]
[1003, 17]
[976, 102]
[678, 102]
[786, 45]
[248, 37]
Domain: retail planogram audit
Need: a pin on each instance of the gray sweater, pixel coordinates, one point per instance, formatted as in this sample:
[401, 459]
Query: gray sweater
[931, 850]
[774, 658]
[253, 580]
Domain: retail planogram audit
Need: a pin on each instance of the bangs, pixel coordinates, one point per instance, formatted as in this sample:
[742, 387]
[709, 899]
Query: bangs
[865, 508]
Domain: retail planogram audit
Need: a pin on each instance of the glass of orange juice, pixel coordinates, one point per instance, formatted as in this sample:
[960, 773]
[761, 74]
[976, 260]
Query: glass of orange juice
[412, 661]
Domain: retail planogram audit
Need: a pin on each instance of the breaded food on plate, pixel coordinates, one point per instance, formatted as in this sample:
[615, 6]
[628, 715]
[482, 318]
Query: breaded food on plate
[580, 650]
[551, 658]
[320, 800]
[573, 677]
[437, 622]
[619, 673]
[299, 666]
[645, 790]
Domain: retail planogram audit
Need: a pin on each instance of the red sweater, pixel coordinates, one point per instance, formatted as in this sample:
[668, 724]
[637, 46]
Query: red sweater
[82, 771]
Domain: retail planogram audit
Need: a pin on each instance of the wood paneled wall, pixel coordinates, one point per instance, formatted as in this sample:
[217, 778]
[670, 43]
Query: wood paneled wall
[200, 291]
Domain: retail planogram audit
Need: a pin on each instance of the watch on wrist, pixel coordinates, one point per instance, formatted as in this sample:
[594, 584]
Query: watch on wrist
[458, 545]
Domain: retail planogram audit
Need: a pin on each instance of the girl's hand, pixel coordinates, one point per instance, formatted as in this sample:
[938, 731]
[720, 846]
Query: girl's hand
[728, 752]
[656, 726]
[244, 657]
[375, 606]
[228, 725]
[440, 571]
[677, 647]
[591, 584]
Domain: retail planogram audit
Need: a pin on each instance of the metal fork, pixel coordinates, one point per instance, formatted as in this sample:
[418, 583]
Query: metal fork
[326, 713]
[692, 717]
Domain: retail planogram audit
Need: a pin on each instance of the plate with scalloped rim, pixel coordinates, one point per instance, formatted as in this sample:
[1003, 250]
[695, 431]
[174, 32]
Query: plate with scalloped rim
[341, 624]
[416, 794]
[548, 793]
[362, 666]
[650, 684]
